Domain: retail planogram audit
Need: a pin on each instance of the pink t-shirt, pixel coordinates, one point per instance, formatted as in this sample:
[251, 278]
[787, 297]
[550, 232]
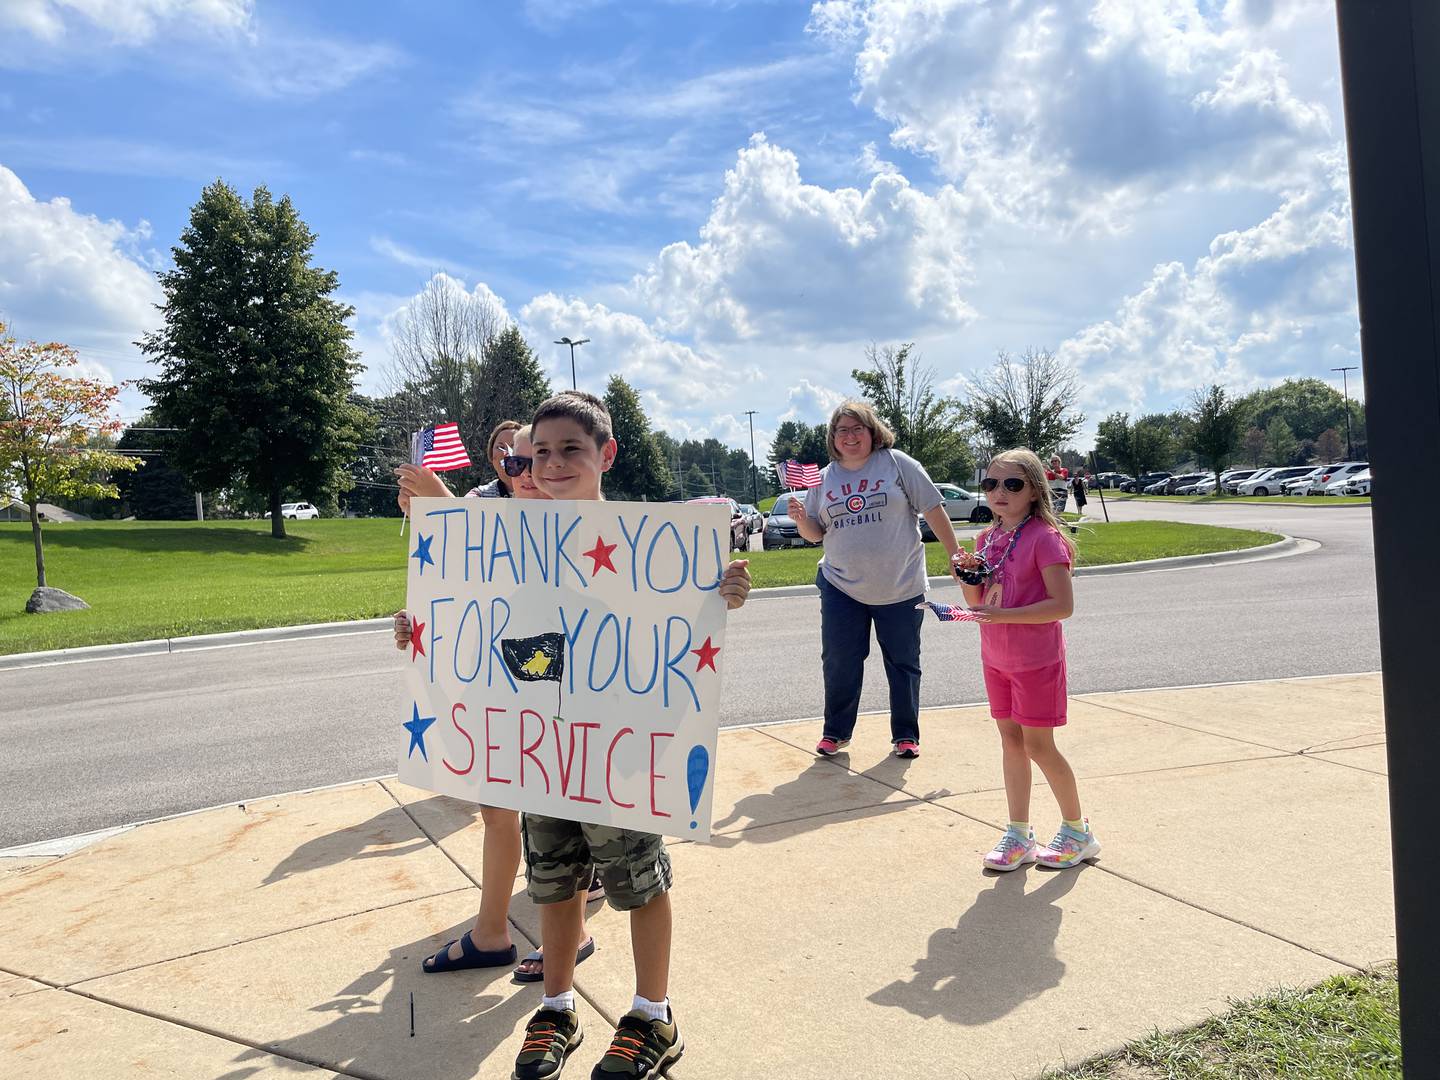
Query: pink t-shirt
[1022, 647]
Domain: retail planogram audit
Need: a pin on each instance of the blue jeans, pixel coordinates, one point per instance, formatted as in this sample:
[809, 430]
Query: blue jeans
[844, 645]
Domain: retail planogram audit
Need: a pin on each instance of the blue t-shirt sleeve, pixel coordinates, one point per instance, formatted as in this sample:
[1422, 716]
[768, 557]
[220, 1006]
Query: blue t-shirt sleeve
[924, 496]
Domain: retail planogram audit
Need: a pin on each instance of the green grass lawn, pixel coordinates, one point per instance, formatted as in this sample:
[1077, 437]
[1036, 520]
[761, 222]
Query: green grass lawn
[1285, 500]
[172, 579]
[1346, 1028]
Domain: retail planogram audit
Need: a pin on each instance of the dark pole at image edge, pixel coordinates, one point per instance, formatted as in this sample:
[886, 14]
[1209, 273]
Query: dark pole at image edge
[1391, 78]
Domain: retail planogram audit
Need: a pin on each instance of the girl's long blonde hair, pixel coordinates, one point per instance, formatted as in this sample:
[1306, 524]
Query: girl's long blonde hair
[1042, 506]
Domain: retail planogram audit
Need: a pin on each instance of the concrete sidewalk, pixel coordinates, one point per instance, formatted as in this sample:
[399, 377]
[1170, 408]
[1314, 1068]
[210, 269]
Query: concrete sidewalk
[839, 925]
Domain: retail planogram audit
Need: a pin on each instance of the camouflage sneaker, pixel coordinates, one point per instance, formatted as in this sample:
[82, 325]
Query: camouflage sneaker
[640, 1049]
[550, 1037]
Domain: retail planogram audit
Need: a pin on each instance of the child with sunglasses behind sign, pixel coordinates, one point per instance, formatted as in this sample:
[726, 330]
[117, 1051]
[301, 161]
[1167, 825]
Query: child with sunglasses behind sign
[1017, 583]
[487, 943]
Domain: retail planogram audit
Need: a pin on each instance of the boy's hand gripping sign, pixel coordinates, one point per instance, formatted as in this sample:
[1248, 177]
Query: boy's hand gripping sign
[566, 658]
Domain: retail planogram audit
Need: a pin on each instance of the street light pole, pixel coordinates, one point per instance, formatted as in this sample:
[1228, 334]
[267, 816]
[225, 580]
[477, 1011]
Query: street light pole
[754, 469]
[566, 341]
[1345, 382]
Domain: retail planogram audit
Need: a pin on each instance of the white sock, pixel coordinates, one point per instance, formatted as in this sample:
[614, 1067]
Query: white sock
[560, 1002]
[653, 1010]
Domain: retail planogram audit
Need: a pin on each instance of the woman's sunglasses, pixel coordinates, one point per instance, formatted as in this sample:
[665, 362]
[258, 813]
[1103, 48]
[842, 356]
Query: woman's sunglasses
[990, 483]
[515, 464]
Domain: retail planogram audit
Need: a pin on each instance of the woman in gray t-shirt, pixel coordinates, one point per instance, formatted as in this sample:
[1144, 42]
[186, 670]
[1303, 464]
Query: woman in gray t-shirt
[873, 571]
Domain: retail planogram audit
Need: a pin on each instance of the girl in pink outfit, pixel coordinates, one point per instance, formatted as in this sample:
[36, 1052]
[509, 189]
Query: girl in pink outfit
[1017, 583]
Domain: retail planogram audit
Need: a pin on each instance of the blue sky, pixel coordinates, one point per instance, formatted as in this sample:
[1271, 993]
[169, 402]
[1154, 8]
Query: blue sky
[730, 197]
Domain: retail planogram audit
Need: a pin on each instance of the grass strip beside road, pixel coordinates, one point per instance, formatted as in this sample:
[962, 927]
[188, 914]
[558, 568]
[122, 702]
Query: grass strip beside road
[1347, 1027]
[148, 580]
[1226, 500]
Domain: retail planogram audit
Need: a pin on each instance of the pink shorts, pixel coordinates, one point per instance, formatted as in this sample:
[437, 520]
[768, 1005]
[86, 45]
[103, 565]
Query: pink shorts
[1033, 698]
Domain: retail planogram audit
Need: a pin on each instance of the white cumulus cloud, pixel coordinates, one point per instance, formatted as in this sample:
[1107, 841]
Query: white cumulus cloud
[69, 276]
[790, 260]
[129, 21]
[1046, 111]
[1266, 302]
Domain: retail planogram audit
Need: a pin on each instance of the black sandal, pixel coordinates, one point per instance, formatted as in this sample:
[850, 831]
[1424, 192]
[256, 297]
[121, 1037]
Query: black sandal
[537, 957]
[470, 957]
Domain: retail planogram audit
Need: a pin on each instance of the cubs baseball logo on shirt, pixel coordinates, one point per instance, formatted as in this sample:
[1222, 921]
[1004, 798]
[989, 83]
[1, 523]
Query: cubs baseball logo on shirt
[855, 503]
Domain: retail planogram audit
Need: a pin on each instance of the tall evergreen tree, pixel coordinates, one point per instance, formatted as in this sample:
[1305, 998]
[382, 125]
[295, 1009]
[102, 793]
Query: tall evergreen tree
[639, 471]
[1281, 445]
[1214, 429]
[256, 367]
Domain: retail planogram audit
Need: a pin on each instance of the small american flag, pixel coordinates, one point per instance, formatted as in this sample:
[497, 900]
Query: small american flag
[438, 447]
[949, 612]
[794, 475]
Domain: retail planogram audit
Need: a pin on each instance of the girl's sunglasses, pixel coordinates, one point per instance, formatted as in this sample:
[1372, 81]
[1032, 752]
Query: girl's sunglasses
[515, 464]
[990, 483]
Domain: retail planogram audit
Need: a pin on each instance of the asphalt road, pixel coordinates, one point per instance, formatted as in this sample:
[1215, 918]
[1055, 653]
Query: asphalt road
[95, 744]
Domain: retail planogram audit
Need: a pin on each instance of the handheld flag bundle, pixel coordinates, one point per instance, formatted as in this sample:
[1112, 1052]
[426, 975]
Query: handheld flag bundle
[948, 612]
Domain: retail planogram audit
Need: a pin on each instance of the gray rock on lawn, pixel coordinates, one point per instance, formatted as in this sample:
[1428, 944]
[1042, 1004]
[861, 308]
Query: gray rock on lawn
[45, 600]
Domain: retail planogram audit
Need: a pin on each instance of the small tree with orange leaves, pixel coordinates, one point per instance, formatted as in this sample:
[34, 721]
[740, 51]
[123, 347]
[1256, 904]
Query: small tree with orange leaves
[46, 417]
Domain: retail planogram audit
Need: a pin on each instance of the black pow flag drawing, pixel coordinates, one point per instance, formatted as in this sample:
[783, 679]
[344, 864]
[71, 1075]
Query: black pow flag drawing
[535, 659]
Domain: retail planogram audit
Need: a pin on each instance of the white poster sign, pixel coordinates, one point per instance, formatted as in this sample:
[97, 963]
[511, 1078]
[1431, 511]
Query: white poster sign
[566, 658]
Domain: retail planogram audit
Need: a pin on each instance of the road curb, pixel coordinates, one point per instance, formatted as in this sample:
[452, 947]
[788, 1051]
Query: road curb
[1283, 546]
[194, 643]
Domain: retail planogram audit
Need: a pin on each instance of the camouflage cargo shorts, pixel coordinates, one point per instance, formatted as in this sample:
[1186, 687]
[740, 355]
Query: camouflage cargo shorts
[634, 866]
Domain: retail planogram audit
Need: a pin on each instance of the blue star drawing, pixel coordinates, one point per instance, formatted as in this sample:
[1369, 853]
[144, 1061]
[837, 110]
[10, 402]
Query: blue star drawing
[422, 550]
[417, 727]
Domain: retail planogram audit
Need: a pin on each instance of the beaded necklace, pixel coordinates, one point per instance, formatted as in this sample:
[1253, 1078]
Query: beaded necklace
[994, 573]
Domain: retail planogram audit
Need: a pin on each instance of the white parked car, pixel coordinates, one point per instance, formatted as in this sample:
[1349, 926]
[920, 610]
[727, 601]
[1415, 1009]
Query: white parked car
[301, 511]
[1359, 484]
[1270, 481]
[1316, 484]
[1234, 478]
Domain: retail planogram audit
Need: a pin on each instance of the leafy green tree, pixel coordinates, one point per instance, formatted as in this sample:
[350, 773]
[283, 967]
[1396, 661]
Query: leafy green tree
[1281, 445]
[1138, 447]
[1214, 429]
[1253, 444]
[509, 385]
[256, 367]
[1329, 446]
[50, 420]
[639, 471]
[1026, 401]
[928, 426]
[1309, 406]
[698, 482]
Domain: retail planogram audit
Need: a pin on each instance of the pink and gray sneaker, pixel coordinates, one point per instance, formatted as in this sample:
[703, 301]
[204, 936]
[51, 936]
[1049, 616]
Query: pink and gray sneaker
[828, 747]
[1069, 848]
[907, 748]
[1012, 851]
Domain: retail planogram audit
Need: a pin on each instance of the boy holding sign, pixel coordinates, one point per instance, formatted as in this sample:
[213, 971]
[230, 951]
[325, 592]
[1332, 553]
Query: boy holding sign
[573, 448]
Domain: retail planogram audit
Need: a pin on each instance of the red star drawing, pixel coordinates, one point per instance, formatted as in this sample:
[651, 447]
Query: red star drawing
[417, 646]
[601, 554]
[706, 653]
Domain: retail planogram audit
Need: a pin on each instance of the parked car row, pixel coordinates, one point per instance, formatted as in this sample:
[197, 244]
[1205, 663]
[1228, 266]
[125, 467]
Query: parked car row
[1333, 479]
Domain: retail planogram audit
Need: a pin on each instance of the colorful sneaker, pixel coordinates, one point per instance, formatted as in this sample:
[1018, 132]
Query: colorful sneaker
[551, 1037]
[640, 1049]
[1011, 851]
[828, 747]
[1069, 848]
[907, 748]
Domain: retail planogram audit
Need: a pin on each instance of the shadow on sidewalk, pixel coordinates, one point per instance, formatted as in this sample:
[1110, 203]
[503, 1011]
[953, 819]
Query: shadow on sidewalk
[461, 1018]
[387, 834]
[765, 810]
[1000, 954]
